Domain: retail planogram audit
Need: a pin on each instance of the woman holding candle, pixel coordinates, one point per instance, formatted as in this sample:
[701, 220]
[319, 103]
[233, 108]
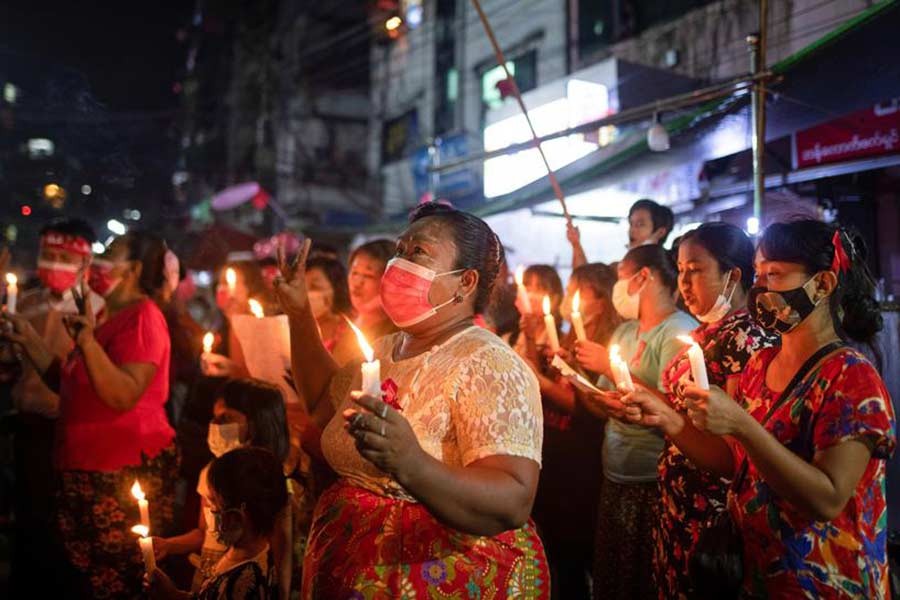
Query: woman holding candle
[715, 271]
[112, 426]
[644, 296]
[433, 495]
[246, 496]
[813, 483]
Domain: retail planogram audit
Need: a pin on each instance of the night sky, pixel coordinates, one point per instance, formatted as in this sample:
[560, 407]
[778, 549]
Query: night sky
[97, 78]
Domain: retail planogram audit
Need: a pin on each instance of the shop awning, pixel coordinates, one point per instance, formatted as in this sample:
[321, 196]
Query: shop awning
[846, 70]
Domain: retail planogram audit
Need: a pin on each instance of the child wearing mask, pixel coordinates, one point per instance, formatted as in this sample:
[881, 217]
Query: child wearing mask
[247, 495]
[249, 413]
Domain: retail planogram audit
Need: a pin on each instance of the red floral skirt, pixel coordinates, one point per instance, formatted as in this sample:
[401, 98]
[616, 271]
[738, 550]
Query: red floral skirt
[364, 545]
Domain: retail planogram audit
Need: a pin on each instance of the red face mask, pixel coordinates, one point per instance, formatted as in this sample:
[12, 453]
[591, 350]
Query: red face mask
[57, 276]
[404, 292]
[100, 277]
[223, 297]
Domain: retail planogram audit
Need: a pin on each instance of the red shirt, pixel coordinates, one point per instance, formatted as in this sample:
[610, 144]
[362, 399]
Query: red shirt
[94, 436]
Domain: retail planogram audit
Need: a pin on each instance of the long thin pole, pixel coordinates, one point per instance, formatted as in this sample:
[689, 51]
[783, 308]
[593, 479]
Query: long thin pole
[758, 109]
[501, 60]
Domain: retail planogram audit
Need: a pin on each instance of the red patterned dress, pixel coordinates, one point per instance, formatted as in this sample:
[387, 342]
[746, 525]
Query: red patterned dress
[788, 555]
[689, 497]
[466, 399]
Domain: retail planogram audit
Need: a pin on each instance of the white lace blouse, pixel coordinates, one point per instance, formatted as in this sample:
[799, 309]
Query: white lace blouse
[466, 399]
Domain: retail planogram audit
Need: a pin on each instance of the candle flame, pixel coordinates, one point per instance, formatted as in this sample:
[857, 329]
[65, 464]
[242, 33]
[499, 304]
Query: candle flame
[363, 344]
[230, 278]
[520, 275]
[256, 308]
[576, 302]
[546, 305]
[11, 279]
[137, 492]
[141, 530]
[687, 339]
[208, 340]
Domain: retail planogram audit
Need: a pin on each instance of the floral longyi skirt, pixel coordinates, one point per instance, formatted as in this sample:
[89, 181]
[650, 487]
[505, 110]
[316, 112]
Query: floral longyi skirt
[95, 514]
[365, 545]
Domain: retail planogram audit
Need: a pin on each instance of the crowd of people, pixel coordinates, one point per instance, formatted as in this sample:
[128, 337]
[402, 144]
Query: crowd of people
[501, 450]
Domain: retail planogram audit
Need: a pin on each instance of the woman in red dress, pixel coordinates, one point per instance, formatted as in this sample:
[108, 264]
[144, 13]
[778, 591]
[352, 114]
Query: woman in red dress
[112, 427]
[811, 508]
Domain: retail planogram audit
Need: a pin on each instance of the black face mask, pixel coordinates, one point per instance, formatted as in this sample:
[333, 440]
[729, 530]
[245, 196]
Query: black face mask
[780, 311]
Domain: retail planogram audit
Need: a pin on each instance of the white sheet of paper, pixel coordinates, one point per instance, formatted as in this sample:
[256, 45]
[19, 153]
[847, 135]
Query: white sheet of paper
[573, 376]
[266, 344]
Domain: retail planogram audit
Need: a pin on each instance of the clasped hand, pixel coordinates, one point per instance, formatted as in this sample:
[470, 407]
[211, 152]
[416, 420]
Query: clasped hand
[382, 435]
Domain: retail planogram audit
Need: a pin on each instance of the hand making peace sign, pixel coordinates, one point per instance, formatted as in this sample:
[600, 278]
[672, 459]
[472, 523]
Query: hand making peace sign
[290, 285]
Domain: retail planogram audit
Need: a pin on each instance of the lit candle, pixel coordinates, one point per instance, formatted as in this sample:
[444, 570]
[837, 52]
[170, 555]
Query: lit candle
[208, 340]
[577, 321]
[698, 365]
[12, 292]
[143, 505]
[621, 374]
[256, 308]
[524, 300]
[231, 280]
[146, 543]
[371, 369]
[550, 326]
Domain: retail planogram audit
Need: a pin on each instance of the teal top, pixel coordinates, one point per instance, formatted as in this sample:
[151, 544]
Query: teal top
[631, 452]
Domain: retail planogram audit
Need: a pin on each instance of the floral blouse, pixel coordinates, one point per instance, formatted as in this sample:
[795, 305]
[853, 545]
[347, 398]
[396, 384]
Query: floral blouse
[785, 553]
[466, 399]
[689, 497]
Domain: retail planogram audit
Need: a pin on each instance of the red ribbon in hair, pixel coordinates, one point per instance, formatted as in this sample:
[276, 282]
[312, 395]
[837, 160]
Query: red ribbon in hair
[841, 261]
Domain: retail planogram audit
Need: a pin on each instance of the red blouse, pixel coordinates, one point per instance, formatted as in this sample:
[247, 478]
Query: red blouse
[92, 435]
[787, 554]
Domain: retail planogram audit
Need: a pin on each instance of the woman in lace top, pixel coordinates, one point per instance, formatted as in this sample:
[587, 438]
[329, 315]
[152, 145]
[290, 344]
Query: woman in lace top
[437, 477]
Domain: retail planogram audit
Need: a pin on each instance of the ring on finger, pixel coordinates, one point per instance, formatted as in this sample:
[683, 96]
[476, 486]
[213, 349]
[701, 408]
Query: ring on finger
[382, 430]
[382, 411]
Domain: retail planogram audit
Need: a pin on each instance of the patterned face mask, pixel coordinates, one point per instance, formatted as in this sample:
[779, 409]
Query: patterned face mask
[780, 312]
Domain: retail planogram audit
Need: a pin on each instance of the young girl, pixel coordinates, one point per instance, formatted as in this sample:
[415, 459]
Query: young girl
[249, 413]
[246, 496]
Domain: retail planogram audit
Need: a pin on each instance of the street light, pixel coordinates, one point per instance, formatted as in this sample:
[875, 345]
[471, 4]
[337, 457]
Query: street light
[117, 227]
[393, 23]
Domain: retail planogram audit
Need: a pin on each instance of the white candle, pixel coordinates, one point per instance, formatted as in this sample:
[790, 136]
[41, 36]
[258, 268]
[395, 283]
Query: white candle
[146, 544]
[143, 504]
[230, 280]
[550, 325]
[208, 340]
[524, 300]
[371, 369]
[12, 292]
[256, 308]
[698, 364]
[619, 368]
[577, 321]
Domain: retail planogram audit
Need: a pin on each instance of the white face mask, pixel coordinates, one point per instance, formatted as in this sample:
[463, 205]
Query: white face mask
[721, 307]
[627, 305]
[223, 437]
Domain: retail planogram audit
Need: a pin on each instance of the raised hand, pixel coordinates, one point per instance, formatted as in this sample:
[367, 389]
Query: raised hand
[80, 327]
[573, 234]
[290, 285]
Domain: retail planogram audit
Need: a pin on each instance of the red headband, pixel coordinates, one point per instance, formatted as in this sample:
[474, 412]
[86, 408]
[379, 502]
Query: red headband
[70, 243]
[841, 261]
